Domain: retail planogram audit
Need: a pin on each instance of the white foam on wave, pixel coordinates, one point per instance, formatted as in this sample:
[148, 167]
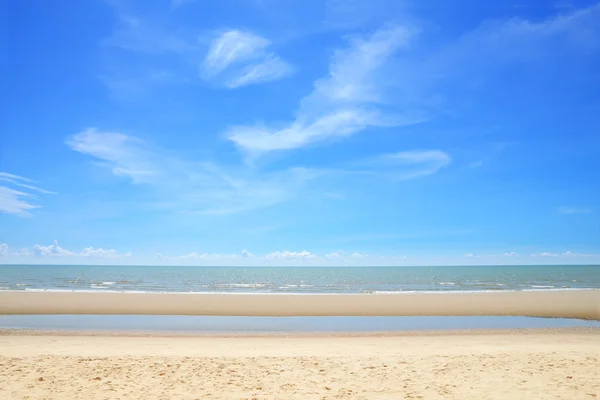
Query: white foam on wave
[293, 286]
[542, 286]
[242, 285]
[104, 289]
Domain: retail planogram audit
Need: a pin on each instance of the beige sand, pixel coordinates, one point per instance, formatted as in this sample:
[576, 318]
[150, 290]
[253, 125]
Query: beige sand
[569, 304]
[542, 364]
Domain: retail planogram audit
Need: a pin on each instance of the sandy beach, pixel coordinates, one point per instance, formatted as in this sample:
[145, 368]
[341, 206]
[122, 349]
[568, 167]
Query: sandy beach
[583, 304]
[506, 364]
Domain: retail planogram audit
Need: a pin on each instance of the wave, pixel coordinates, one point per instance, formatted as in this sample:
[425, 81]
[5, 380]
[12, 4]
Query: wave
[241, 285]
[97, 288]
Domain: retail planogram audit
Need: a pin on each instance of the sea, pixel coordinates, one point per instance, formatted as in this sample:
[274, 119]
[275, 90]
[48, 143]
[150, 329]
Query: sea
[302, 280]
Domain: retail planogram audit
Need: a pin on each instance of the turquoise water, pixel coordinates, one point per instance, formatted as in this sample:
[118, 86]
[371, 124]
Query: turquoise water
[296, 279]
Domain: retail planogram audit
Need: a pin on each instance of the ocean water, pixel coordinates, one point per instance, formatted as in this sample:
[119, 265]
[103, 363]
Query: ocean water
[296, 279]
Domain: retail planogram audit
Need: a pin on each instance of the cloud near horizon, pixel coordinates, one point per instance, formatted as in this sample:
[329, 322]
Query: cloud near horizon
[54, 250]
[291, 258]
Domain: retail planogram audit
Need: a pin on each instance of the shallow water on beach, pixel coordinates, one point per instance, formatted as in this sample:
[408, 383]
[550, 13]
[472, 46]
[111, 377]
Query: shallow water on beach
[297, 279]
[227, 324]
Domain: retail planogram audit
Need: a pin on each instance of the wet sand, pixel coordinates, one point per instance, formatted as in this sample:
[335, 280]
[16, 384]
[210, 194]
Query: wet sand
[582, 304]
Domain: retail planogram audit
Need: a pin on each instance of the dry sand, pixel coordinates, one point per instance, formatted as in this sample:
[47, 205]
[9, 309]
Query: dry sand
[518, 364]
[583, 304]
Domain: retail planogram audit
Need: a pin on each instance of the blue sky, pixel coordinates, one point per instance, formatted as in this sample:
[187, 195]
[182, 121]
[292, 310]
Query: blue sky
[339, 132]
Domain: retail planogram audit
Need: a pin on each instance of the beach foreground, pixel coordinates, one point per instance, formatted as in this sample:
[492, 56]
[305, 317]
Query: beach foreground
[505, 364]
[583, 304]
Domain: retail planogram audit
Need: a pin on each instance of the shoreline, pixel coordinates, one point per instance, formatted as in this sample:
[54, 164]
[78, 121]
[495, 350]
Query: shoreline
[580, 304]
[290, 293]
[594, 331]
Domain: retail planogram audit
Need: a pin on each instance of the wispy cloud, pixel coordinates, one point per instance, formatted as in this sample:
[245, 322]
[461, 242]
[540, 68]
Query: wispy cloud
[142, 35]
[240, 58]
[122, 154]
[574, 210]
[189, 186]
[231, 47]
[212, 188]
[341, 104]
[3, 249]
[480, 54]
[269, 69]
[411, 164]
[565, 254]
[17, 201]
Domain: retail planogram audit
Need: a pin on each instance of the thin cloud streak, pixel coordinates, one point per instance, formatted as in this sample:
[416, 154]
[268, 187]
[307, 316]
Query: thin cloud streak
[190, 187]
[239, 58]
[18, 202]
[343, 103]
[271, 68]
[231, 47]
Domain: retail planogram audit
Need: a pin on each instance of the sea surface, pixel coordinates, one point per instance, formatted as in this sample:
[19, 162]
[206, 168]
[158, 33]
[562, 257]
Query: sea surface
[304, 280]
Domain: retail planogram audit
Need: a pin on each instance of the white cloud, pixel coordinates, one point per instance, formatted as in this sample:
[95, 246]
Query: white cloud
[231, 47]
[270, 69]
[290, 255]
[15, 202]
[54, 250]
[144, 36]
[339, 123]
[352, 73]
[239, 58]
[56, 254]
[335, 255]
[18, 202]
[341, 104]
[412, 164]
[189, 186]
[100, 252]
[565, 254]
[574, 210]
[22, 182]
[124, 155]
[246, 253]
[481, 53]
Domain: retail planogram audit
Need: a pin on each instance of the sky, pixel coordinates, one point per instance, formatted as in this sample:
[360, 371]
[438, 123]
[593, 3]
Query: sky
[329, 132]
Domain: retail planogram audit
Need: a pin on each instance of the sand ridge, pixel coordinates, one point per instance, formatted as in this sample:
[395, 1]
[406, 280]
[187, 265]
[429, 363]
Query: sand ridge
[583, 304]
